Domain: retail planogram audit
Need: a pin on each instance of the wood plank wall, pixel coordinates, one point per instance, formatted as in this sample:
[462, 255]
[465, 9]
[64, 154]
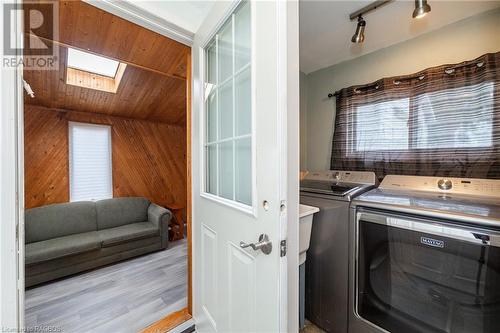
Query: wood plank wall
[149, 159]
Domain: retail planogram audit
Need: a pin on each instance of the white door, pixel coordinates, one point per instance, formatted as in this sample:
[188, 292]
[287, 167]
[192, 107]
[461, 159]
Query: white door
[240, 168]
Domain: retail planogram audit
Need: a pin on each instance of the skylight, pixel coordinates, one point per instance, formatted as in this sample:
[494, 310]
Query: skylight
[92, 63]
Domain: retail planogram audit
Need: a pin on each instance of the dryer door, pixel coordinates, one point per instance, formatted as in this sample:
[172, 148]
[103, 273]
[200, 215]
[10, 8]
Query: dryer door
[417, 275]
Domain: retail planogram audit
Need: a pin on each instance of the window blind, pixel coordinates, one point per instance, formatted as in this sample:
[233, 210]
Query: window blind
[442, 121]
[90, 162]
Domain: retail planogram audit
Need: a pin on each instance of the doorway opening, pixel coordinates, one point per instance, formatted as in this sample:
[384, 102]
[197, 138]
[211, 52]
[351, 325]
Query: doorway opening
[107, 177]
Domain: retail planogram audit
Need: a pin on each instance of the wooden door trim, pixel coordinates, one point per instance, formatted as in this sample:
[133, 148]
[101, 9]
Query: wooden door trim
[189, 184]
[179, 317]
[169, 322]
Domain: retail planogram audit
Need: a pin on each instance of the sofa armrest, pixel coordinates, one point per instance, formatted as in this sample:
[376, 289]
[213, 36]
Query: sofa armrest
[161, 218]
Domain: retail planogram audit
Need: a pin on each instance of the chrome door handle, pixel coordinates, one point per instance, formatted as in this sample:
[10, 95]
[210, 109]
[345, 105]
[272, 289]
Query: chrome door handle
[264, 244]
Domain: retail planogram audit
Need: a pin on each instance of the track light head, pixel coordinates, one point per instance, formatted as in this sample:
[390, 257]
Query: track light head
[421, 9]
[359, 35]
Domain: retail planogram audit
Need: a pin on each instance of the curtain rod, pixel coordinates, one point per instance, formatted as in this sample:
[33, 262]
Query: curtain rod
[450, 69]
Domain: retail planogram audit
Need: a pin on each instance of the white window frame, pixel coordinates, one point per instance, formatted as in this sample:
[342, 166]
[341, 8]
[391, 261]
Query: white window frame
[72, 124]
[86, 69]
[248, 209]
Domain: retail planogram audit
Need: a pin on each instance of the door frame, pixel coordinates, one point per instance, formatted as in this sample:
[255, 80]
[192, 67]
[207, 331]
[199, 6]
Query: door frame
[290, 75]
[177, 318]
[12, 180]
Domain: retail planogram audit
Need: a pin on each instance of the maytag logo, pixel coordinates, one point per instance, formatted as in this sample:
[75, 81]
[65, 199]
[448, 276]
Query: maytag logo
[432, 242]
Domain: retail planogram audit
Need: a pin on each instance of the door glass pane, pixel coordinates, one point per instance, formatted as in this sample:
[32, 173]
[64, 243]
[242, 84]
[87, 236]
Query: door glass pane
[225, 52]
[242, 39]
[226, 110]
[243, 103]
[226, 170]
[212, 118]
[243, 171]
[211, 152]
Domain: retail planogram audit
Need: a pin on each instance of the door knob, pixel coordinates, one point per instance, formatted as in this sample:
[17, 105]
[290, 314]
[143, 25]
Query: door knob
[264, 244]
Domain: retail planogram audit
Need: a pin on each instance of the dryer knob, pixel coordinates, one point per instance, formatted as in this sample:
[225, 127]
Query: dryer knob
[445, 184]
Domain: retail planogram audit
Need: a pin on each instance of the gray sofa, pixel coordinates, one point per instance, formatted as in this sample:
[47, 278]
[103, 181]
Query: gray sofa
[68, 238]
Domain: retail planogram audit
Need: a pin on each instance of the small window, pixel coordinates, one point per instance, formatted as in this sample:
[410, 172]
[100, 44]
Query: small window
[389, 125]
[92, 63]
[470, 125]
[90, 162]
[382, 126]
[440, 121]
[90, 71]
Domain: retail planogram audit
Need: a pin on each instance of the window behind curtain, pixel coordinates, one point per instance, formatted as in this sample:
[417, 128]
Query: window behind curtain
[441, 121]
[90, 162]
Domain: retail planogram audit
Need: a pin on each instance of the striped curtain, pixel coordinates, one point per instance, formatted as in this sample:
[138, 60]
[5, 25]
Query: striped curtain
[442, 121]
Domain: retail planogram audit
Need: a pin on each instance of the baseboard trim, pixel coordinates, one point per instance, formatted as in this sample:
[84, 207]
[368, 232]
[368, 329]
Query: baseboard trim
[170, 322]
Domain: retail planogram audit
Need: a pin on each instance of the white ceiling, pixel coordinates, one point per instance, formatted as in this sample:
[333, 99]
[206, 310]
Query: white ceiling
[326, 31]
[186, 14]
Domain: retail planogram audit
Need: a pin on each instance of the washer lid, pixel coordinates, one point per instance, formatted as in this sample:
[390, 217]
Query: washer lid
[328, 187]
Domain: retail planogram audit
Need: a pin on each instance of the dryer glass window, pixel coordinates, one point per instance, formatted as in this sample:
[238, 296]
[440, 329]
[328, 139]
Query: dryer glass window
[413, 279]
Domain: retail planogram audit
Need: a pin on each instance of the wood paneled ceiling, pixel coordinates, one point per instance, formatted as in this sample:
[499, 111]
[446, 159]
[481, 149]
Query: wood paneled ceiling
[153, 86]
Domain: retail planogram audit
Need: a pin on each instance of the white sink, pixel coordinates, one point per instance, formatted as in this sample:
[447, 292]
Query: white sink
[306, 214]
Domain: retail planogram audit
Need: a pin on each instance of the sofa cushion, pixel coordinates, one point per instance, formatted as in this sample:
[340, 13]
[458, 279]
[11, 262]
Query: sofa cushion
[59, 220]
[62, 247]
[120, 211]
[124, 233]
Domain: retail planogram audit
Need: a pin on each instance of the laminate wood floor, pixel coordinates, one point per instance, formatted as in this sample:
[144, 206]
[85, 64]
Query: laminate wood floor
[123, 297]
[310, 328]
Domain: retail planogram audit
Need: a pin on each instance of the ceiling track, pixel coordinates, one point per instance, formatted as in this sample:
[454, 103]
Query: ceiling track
[374, 5]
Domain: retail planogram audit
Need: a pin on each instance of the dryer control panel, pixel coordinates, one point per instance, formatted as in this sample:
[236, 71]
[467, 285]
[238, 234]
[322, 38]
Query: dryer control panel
[355, 177]
[469, 186]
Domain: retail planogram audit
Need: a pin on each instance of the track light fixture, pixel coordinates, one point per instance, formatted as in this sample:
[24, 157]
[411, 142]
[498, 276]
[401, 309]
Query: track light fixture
[421, 8]
[359, 35]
